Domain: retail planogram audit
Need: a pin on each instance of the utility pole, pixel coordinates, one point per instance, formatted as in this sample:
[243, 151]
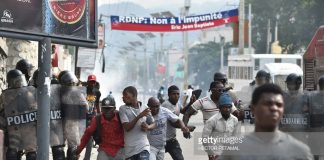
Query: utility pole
[145, 37]
[222, 43]
[103, 48]
[162, 56]
[276, 27]
[186, 50]
[161, 53]
[241, 27]
[250, 28]
[43, 101]
[268, 37]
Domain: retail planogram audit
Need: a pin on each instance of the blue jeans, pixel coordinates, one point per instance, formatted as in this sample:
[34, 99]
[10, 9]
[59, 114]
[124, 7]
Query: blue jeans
[144, 155]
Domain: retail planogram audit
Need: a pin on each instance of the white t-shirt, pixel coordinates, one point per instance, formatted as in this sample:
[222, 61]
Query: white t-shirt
[136, 140]
[157, 136]
[171, 131]
[207, 107]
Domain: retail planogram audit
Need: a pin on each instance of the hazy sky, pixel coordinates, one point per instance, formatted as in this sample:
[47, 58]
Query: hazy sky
[170, 4]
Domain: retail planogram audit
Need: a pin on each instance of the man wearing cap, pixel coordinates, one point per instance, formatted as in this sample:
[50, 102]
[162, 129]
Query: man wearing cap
[111, 132]
[223, 124]
[93, 93]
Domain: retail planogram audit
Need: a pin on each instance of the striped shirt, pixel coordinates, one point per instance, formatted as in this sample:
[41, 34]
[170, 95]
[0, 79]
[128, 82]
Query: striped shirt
[207, 107]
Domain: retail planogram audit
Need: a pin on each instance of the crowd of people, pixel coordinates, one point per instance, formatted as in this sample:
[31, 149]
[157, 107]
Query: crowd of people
[148, 130]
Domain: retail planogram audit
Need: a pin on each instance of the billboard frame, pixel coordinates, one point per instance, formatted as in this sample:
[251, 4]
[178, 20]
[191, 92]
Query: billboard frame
[65, 40]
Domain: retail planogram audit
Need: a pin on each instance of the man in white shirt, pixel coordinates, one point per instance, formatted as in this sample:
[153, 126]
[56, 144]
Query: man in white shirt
[208, 105]
[135, 120]
[172, 145]
[222, 124]
[157, 136]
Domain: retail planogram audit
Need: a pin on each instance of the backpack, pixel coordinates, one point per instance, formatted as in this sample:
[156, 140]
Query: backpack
[97, 133]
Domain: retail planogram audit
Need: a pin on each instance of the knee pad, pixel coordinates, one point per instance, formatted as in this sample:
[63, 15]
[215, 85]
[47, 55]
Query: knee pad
[58, 152]
[31, 156]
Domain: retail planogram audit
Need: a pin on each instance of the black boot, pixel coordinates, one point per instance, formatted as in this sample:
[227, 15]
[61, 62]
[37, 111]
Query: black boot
[71, 153]
[58, 152]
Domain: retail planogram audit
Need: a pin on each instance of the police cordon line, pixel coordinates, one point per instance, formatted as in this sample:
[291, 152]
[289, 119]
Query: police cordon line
[31, 117]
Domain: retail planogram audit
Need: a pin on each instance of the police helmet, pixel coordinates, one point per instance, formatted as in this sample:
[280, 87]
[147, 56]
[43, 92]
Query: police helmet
[321, 81]
[61, 74]
[34, 78]
[220, 77]
[68, 79]
[16, 79]
[108, 102]
[262, 73]
[294, 78]
[24, 66]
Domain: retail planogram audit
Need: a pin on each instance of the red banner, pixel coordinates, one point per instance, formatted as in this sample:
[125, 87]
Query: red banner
[174, 24]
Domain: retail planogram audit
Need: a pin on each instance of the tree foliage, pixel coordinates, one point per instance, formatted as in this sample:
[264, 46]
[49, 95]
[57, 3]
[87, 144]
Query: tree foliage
[297, 22]
[204, 61]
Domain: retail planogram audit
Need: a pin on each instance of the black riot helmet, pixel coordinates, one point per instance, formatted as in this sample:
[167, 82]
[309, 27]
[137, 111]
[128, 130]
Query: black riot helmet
[321, 82]
[262, 73]
[25, 67]
[294, 78]
[293, 82]
[34, 78]
[68, 79]
[16, 79]
[220, 77]
[108, 102]
[262, 77]
[61, 74]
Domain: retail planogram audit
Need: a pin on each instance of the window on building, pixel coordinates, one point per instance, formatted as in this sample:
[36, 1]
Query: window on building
[256, 64]
[298, 62]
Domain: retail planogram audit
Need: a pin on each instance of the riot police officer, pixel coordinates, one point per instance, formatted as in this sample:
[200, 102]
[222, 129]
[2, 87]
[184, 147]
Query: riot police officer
[19, 107]
[294, 117]
[74, 109]
[245, 95]
[315, 105]
[262, 77]
[25, 67]
[56, 126]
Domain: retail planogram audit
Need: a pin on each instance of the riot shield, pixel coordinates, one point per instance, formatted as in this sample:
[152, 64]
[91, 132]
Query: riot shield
[56, 131]
[316, 109]
[294, 117]
[20, 107]
[316, 112]
[74, 109]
